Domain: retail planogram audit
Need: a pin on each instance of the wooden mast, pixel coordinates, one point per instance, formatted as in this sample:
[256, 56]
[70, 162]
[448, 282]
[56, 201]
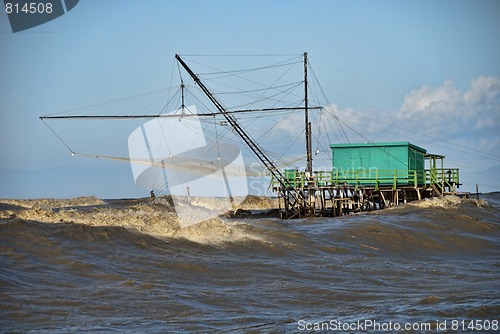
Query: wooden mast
[309, 167]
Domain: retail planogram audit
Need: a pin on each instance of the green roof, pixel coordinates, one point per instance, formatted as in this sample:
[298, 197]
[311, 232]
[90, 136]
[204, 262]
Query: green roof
[382, 144]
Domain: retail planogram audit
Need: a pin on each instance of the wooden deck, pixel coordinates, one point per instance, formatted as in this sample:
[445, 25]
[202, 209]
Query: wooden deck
[327, 194]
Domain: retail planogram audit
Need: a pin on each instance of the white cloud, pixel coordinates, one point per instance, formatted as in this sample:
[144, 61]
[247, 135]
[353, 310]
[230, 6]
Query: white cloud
[429, 101]
[484, 90]
[449, 110]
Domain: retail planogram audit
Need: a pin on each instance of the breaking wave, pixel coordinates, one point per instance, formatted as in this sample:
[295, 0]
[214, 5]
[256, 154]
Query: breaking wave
[448, 224]
[87, 264]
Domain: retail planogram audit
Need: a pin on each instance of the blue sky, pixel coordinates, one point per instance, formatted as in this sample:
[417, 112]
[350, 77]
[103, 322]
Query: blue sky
[423, 71]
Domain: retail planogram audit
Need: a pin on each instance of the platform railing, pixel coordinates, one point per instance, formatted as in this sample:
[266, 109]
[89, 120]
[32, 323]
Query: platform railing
[448, 177]
[371, 178]
[356, 178]
[374, 178]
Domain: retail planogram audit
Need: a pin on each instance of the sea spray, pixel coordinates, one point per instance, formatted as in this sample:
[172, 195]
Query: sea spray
[158, 219]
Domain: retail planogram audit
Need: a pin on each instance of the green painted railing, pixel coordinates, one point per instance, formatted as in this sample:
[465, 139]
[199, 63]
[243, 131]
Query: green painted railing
[446, 176]
[372, 178]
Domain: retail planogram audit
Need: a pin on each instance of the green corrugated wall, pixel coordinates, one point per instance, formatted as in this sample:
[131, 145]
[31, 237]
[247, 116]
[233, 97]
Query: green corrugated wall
[384, 157]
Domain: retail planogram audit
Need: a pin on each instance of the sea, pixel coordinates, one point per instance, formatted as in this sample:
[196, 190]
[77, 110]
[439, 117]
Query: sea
[87, 265]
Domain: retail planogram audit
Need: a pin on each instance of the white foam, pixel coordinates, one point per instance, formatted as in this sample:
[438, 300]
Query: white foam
[449, 201]
[158, 219]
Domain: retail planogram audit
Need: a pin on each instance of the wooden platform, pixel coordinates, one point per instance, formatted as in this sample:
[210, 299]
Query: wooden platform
[331, 198]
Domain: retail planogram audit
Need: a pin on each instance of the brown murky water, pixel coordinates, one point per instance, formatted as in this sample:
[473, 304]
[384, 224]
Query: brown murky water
[87, 265]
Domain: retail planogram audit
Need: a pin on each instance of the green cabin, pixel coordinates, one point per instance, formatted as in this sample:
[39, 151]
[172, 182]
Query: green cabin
[379, 163]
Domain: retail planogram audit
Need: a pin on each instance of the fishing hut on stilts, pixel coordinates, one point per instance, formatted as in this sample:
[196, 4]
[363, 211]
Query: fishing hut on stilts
[364, 177]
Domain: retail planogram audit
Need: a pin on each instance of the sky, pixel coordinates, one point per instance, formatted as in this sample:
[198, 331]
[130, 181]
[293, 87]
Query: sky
[427, 72]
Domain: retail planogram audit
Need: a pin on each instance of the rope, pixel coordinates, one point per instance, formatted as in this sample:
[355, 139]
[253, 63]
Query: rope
[62, 141]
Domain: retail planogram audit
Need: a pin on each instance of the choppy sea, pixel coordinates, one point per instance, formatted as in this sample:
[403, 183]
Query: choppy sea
[91, 265]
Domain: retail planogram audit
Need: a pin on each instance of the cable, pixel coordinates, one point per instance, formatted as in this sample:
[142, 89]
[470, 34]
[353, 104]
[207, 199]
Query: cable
[361, 80]
[62, 141]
